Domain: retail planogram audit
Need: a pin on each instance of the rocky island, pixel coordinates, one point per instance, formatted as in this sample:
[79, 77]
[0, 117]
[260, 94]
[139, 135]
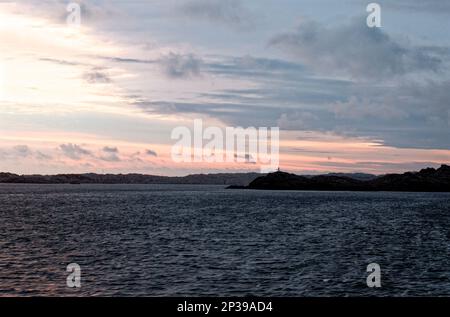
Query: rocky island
[426, 180]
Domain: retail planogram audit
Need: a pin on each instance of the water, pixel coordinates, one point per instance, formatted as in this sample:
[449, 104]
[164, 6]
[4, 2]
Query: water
[178, 240]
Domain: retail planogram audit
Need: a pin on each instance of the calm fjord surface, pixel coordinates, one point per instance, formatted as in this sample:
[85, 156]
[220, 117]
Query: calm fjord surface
[175, 240]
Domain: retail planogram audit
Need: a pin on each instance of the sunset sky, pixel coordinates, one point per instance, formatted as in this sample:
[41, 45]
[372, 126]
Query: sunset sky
[104, 97]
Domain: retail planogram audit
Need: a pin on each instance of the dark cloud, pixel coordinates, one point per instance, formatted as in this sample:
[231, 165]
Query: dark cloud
[110, 154]
[60, 61]
[247, 158]
[97, 77]
[231, 13]
[246, 66]
[108, 149]
[179, 66]
[129, 60]
[231, 114]
[74, 151]
[151, 153]
[255, 68]
[172, 65]
[22, 151]
[298, 120]
[277, 83]
[111, 157]
[354, 49]
[403, 113]
[408, 115]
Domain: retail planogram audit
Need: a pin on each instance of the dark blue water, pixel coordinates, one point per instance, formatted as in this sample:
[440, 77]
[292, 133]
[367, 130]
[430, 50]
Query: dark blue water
[163, 240]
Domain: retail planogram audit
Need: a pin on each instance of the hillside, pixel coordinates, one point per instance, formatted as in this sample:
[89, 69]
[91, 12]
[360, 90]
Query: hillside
[426, 180]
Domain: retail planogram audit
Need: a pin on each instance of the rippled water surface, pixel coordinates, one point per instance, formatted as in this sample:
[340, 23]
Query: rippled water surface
[169, 240]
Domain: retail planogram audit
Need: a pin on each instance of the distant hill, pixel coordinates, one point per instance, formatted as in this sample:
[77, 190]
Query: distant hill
[237, 179]
[198, 179]
[358, 176]
[426, 180]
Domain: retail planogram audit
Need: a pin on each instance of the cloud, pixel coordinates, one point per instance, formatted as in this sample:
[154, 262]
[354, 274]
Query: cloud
[355, 50]
[110, 158]
[172, 65]
[177, 66]
[229, 113]
[362, 107]
[97, 77]
[408, 115]
[128, 60]
[247, 158]
[74, 151]
[42, 156]
[60, 61]
[230, 13]
[255, 67]
[296, 120]
[151, 153]
[108, 149]
[110, 154]
[431, 6]
[22, 151]
[92, 12]
[408, 112]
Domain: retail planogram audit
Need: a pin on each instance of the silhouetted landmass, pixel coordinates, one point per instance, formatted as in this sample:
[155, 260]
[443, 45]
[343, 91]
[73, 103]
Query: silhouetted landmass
[430, 179]
[427, 180]
[358, 176]
[236, 179]
[198, 179]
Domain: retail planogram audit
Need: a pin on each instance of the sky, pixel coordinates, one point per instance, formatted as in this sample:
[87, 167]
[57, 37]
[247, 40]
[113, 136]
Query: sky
[105, 96]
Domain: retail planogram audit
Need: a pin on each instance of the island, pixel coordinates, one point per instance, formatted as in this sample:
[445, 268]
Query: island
[426, 180]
